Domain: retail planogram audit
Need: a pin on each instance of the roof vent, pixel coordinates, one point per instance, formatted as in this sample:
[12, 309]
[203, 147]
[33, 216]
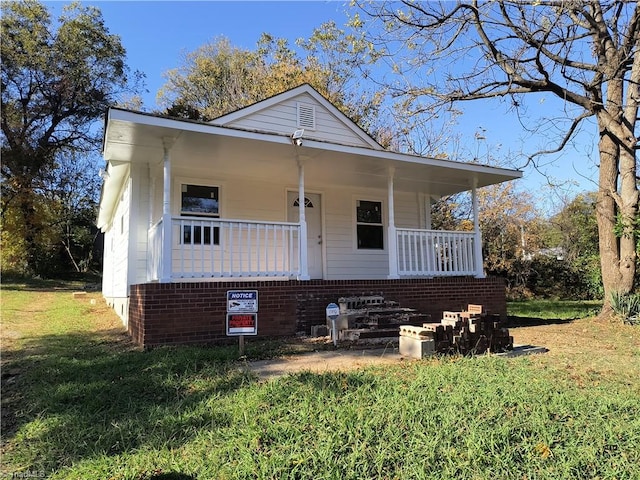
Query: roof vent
[306, 116]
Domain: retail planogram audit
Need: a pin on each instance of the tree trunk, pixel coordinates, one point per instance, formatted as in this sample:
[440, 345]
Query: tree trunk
[617, 206]
[31, 229]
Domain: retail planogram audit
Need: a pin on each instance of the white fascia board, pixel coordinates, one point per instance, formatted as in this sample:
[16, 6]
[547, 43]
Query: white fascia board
[185, 125]
[110, 193]
[414, 159]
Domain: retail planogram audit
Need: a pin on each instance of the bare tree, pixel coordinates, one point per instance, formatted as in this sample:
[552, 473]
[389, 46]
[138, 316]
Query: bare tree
[586, 53]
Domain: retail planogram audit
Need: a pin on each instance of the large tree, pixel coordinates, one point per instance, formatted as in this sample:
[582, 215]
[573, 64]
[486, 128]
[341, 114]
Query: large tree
[58, 78]
[218, 78]
[585, 53]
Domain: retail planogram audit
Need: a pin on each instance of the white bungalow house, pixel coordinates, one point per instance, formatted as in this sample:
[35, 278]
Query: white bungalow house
[286, 195]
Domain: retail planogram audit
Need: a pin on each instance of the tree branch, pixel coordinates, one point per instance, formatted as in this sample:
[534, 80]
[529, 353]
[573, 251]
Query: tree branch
[563, 143]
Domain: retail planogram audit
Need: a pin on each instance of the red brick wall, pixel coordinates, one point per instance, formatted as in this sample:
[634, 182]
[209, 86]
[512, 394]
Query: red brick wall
[182, 313]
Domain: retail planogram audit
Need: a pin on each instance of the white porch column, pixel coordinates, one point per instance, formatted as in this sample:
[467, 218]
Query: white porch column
[150, 257]
[391, 229]
[304, 257]
[477, 241]
[152, 194]
[166, 262]
[428, 201]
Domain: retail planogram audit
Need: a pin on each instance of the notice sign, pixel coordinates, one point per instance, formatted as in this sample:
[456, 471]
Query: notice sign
[242, 324]
[242, 301]
[333, 311]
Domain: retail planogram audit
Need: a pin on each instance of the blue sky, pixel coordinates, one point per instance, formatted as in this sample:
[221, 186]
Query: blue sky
[156, 34]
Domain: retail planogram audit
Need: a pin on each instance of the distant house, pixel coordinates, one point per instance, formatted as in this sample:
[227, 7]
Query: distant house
[287, 197]
[553, 252]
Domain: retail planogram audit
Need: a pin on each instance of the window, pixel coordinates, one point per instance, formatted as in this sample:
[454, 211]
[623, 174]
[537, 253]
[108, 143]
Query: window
[193, 234]
[201, 201]
[307, 203]
[370, 231]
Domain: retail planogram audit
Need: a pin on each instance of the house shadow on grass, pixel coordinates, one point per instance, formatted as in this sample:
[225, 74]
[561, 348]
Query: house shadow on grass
[75, 396]
[518, 321]
[170, 476]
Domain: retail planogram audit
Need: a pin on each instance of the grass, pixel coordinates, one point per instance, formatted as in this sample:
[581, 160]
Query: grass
[80, 402]
[554, 309]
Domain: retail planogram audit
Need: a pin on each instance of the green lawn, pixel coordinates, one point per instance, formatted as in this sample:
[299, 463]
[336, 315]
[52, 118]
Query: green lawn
[554, 309]
[80, 402]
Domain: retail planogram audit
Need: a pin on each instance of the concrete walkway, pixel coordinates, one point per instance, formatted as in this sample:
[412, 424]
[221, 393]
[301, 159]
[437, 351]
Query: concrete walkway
[345, 360]
[325, 361]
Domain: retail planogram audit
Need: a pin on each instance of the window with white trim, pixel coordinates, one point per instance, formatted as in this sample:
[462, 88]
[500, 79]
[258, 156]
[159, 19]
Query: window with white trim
[369, 226]
[200, 201]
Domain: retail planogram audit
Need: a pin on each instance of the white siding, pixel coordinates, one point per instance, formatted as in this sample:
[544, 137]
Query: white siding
[115, 286]
[344, 260]
[239, 199]
[107, 261]
[282, 118]
[407, 210]
[138, 224]
[121, 243]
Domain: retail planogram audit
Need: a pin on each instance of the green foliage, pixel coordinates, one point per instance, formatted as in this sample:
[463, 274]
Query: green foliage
[546, 276]
[630, 229]
[576, 227]
[58, 77]
[555, 258]
[627, 307]
[553, 278]
[554, 309]
[218, 78]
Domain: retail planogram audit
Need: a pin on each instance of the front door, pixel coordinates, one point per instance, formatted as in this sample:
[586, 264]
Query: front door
[314, 228]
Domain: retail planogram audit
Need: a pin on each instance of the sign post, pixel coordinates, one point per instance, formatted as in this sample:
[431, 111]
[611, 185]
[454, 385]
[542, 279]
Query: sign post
[242, 315]
[333, 312]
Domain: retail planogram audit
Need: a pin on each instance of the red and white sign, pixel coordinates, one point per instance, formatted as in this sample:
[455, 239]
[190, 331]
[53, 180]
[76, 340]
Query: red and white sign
[242, 324]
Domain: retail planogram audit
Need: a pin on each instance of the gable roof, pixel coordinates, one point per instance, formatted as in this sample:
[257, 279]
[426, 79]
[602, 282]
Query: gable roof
[333, 125]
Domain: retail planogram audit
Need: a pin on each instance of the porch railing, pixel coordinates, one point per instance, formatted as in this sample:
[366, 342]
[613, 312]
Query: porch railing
[217, 248]
[435, 253]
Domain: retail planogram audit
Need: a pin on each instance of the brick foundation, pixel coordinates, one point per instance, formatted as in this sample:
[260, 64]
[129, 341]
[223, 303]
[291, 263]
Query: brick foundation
[195, 313]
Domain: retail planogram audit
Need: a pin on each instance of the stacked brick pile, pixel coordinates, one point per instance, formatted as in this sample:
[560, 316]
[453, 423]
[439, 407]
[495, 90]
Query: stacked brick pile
[467, 332]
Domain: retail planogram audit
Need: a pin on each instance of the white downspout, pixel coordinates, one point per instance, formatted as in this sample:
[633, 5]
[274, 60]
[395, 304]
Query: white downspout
[391, 230]
[165, 274]
[477, 242]
[304, 257]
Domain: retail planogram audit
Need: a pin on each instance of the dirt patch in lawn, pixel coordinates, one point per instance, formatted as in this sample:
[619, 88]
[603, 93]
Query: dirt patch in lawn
[588, 346]
[341, 359]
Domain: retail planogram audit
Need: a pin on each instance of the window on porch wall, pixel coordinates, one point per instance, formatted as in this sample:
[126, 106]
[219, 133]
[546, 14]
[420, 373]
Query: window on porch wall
[200, 200]
[369, 227]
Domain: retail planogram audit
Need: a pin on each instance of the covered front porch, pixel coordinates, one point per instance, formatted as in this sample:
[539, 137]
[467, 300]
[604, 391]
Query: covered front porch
[277, 208]
[206, 248]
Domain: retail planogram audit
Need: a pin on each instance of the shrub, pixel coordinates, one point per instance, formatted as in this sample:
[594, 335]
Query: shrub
[627, 307]
[547, 277]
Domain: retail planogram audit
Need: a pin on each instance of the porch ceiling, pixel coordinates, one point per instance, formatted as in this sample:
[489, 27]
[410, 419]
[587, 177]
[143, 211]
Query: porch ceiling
[215, 151]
